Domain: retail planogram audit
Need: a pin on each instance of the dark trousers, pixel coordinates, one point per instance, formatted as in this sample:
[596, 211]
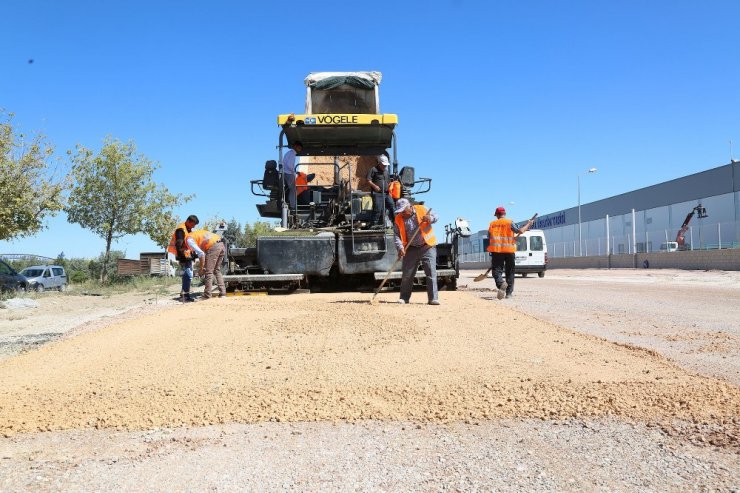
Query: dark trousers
[290, 190]
[378, 199]
[503, 264]
[428, 257]
[187, 275]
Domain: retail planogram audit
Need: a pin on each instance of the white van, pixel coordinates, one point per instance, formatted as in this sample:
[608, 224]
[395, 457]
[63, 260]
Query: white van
[531, 253]
[41, 277]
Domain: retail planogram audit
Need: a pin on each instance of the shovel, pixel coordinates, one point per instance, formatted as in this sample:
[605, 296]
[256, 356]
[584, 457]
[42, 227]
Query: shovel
[480, 277]
[395, 264]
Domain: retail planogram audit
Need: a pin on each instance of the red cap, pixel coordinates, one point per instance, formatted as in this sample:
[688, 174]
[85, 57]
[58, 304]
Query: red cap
[500, 211]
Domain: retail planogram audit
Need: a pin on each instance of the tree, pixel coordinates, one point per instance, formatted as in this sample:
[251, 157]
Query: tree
[31, 191]
[114, 196]
[161, 228]
[252, 231]
[234, 234]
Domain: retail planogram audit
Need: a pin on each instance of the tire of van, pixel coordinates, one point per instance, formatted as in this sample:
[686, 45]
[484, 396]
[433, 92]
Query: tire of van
[541, 274]
[524, 274]
[40, 288]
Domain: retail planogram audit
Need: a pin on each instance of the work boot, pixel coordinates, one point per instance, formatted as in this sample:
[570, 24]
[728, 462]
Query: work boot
[509, 295]
[502, 290]
[187, 298]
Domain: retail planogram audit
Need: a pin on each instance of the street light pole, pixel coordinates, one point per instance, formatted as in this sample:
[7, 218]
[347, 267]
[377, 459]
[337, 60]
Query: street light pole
[580, 242]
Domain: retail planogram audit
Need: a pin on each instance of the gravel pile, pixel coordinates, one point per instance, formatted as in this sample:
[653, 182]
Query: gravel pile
[330, 393]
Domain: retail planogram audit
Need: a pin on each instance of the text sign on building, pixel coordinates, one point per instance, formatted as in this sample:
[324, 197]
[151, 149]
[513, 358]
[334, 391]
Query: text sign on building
[550, 221]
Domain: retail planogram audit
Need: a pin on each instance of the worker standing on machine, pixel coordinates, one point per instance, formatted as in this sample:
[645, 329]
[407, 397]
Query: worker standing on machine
[378, 178]
[502, 235]
[209, 247]
[289, 173]
[415, 243]
[184, 255]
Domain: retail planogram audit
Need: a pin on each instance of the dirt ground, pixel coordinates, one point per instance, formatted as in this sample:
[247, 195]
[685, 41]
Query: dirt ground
[596, 380]
[691, 317]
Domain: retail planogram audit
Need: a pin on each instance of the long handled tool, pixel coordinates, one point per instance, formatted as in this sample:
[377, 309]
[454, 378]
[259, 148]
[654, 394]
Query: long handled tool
[480, 277]
[395, 264]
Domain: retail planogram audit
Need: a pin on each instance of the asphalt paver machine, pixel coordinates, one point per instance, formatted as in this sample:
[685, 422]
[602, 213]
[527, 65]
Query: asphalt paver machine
[326, 241]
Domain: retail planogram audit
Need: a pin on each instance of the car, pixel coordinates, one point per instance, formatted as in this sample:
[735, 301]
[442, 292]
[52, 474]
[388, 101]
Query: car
[10, 280]
[42, 277]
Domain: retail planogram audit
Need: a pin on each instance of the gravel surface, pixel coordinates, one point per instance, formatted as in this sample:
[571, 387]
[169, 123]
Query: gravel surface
[477, 394]
[691, 317]
[506, 455]
[29, 322]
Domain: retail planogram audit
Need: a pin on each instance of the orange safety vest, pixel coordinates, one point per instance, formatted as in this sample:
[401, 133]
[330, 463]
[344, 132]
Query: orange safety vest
[301, 182]
[501, 237]
[204, 239]
[172, 247]
[394, 189]
[426, 229]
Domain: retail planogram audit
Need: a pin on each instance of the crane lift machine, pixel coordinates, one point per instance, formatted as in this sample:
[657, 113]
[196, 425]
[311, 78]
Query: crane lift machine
[325, 241]
[680, 242]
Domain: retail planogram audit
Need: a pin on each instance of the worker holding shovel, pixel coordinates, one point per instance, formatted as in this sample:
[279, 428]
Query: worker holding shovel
[415, 243]
[502, 235]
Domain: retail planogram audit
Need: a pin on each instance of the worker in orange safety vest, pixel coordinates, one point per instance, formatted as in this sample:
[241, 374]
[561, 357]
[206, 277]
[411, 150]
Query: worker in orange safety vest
[502, 235]
[301, 187]
[184, 255]
[415, 242]
[210, 249]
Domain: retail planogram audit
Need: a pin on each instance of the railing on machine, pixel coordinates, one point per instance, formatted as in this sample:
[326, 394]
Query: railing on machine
[355, 204]
[319, 196]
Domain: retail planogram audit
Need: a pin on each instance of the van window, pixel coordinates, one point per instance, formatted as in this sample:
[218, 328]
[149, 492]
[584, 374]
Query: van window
[5, 269]
[47, 273]
[535, 243]
[58, 271]
[521, 243]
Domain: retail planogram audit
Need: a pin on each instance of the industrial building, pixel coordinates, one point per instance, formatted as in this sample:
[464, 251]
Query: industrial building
[643, 221]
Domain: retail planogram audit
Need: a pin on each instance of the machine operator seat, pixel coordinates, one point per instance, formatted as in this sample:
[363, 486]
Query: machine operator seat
[407, 176]
[271, 178]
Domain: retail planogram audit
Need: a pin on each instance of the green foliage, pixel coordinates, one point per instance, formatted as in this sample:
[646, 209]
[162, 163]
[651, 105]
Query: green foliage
[145, 284]
[114, 196]
[78, 269]
[106, 262]
[19, 265]
[235, 235]
[78, 276]
[252, 231]
[162, 227]
[210, 224]
[31, 191]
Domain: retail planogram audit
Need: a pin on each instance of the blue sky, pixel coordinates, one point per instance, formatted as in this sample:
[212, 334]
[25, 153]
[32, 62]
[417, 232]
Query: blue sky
[498, 102]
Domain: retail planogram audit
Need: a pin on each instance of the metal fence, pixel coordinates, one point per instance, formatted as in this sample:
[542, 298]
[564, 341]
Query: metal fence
[708, 236]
